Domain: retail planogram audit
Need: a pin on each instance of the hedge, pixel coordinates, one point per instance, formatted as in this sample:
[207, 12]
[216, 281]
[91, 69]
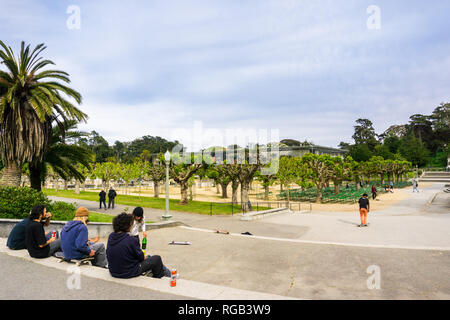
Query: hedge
[16, 203]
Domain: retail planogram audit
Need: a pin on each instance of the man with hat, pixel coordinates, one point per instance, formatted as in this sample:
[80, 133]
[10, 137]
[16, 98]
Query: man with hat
[75, 242]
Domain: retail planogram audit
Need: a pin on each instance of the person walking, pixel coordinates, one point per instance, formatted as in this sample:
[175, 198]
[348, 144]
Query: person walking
[75, 242]
[102, 196]
[111, 196]
[374, 192]
[415, 186]
[364, 208]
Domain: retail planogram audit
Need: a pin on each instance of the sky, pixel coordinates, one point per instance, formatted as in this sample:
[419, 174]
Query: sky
[301, 69]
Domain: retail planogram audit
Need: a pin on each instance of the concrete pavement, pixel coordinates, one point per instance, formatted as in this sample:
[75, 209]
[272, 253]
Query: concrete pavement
[320, 255]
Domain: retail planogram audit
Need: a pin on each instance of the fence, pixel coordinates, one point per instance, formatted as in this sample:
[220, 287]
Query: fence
[236, 207]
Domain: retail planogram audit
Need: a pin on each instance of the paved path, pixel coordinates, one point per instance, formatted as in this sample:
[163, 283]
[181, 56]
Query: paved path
[321, 255]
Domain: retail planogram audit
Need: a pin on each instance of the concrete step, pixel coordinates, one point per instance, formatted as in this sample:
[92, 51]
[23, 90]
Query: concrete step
[443, 180]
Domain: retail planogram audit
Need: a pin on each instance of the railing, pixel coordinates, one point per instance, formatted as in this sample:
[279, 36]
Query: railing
[236, 207]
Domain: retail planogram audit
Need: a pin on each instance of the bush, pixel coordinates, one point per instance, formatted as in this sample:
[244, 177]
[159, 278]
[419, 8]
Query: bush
[16, 203]
[62, 211]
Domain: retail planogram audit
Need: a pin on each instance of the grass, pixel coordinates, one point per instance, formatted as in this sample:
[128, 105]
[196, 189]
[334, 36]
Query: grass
[150, 202]
[103, 217]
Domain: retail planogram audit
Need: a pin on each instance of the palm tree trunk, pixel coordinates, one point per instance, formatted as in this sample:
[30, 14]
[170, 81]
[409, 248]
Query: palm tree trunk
[11, 176]
[35, 177]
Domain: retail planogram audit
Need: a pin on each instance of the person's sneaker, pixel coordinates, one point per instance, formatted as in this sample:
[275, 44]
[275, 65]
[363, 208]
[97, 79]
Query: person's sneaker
[365, 225]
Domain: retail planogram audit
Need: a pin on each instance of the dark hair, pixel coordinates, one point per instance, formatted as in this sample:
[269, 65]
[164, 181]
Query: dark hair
[138, 212]
[36, 211]
[122, 222]
[365, 195]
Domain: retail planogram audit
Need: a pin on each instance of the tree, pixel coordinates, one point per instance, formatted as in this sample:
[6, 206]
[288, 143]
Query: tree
[106, 171]
[319, 170]
[30, 100]
[269, 179]
[341, 171]
[220, 176]
[181, 169]
[361, 152]
[64, 159]
[365, 133]
[156, 172]
[287, 173]
[414, 151]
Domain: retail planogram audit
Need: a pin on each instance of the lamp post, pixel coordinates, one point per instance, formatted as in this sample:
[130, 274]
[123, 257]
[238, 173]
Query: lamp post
[167, 215]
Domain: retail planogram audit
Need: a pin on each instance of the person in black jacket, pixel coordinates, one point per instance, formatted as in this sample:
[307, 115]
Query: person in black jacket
[124, 254]
[102, 196]
[111, 195]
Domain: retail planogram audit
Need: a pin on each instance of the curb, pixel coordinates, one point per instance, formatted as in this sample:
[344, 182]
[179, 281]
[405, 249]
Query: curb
[187, 288]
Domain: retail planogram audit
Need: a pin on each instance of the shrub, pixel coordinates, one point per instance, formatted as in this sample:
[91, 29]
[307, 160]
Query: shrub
[16, 203]
[62, 211]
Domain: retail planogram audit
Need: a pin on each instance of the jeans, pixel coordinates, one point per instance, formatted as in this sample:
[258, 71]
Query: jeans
[54, 247]
[111, 201]
[104, 203]
[155, 265]
[100, 254]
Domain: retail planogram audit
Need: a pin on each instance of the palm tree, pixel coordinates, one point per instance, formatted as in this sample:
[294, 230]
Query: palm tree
[63, 158]
[30, 101]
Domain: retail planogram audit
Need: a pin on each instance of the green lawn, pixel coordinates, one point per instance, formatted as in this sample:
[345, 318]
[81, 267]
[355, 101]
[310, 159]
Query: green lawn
[150, 202]
[103, 217]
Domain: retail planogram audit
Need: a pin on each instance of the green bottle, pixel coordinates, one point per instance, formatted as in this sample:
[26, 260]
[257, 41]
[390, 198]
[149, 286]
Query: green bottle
[144, 243]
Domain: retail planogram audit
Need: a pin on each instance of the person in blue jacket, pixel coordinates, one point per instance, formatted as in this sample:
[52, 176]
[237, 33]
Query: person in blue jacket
[125, 257]
[75, 242]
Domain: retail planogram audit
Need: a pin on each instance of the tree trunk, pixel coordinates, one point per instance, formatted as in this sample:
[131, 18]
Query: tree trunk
[217, 187]
[382, 178]
[77, 187]
[336, 187]
[184, 192]
[35, 177]
[224, 190]
[244, 197]
[319, 194]
[11, 176]
[65, 185]
[266, 193]
[156, 189]
[234, 187]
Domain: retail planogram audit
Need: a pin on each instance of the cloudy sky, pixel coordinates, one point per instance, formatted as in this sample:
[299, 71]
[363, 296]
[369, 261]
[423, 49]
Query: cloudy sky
[308, 69]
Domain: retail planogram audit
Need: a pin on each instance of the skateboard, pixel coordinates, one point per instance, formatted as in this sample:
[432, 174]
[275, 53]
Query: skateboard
[78, 262]
[361, 226]
[221, 231]
[180, 242]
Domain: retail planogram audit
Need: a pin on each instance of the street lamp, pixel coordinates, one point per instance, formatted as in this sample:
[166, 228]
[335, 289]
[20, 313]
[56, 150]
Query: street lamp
[167, 215]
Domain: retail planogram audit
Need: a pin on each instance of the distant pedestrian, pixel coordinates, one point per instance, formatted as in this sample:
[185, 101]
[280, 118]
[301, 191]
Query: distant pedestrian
[415, 186]
[364, 208]
[391, 185]
[102, 196]
[374, 192]
[111, 196]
